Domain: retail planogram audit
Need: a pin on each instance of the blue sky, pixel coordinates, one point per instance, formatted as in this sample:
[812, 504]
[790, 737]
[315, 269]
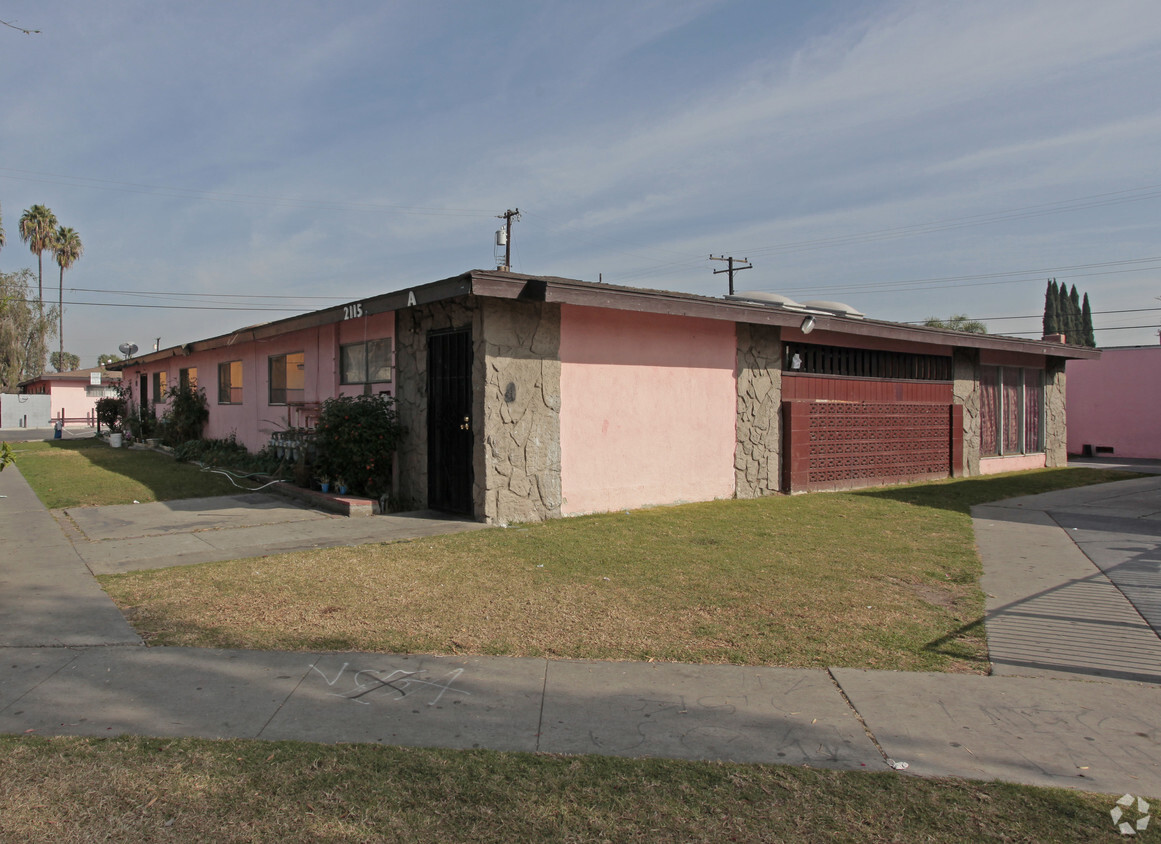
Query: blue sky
[909, 158]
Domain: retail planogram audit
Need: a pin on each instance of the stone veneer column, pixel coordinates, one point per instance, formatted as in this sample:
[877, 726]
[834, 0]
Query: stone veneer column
[966, 392]
[1055, 419]
[758, 447]
[411, 328]
[520, 481]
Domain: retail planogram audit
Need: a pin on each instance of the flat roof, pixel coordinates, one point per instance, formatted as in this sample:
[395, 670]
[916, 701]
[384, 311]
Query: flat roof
[501, 284]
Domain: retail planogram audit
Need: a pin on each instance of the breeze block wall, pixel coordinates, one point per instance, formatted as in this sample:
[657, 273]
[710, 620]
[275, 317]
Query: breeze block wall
[846, 445]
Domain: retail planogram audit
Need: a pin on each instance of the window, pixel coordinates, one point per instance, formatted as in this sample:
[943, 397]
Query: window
[188, 378]
[366, 363]
[865, 363]
[230, 382]
[159, 384]
[1011, 410]
[287, 378]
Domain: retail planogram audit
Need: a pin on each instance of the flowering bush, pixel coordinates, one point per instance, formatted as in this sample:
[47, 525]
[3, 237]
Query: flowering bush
[355, 439]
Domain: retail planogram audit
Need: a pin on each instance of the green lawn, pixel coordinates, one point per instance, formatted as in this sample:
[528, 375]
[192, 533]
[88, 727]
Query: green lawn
[882, 579]
[73, 473]
[130, 789]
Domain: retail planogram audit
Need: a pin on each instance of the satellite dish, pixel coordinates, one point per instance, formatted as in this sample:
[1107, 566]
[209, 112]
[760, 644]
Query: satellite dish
[128, 349]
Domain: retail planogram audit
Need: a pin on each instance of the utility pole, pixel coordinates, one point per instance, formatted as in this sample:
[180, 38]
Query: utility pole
[732, 269]
[507, 217]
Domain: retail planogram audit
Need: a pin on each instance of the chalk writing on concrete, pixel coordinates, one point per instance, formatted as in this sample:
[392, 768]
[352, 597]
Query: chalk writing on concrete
[366, 684]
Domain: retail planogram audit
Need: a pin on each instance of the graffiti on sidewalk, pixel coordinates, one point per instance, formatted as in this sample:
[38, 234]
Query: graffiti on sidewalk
[365, 685]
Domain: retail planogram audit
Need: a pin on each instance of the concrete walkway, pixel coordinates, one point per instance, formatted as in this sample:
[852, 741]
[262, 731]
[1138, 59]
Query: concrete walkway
[70, 665]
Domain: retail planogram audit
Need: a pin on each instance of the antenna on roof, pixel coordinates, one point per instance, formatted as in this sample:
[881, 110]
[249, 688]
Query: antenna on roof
[504, 238]
[732, 269]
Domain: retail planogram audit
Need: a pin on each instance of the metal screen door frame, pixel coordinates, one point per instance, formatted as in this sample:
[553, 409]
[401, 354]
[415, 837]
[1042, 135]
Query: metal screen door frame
[450, 437]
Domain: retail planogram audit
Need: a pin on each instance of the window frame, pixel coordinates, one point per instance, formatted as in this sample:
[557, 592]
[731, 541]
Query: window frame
[286, 390]
[1007, 384]
[367, 366]
[188, 377]
[226, 386]
[160, 384]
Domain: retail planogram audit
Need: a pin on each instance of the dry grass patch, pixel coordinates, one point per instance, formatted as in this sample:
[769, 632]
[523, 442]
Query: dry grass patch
[129, 789]
[857, 580]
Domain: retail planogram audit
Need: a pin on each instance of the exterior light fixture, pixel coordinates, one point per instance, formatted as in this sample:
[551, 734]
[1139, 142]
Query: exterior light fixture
[808, 325]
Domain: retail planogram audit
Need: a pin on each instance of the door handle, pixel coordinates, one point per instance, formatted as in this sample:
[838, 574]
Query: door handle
[467, 426]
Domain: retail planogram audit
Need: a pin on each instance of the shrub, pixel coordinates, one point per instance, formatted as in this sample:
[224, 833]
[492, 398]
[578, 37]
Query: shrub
[355, 439]
[186, 415]
[111, 413]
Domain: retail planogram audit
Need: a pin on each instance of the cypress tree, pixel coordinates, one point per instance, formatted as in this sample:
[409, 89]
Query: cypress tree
[1051, 309]
[1086, 323]
[1075, 320]
[1062, 305]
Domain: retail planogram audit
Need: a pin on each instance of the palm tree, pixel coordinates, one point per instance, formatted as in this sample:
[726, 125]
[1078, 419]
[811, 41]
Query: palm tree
[68, 249]
[37, 229]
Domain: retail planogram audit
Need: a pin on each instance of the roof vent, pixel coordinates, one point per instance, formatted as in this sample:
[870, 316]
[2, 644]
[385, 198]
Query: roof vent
[836, 308]
[761, 297]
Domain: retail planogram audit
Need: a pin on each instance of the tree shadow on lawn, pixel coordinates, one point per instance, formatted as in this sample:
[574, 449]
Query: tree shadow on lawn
[959, 495]
[163, 477]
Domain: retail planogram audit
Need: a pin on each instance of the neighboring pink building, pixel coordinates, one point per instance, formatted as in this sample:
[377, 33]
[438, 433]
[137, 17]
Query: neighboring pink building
[531, 397]
[74, 394]
[1114, 403]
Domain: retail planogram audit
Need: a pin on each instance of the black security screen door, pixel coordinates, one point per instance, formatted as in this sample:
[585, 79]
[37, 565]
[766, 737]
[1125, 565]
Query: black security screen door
[449, 421]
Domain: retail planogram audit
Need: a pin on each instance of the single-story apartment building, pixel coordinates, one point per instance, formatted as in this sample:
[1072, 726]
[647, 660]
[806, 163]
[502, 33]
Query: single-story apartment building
[73, 395]
[530, 397]
[1114, 403]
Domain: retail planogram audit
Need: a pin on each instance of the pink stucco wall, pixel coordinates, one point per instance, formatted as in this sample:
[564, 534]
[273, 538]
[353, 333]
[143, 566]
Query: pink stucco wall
[647, 409]
[1115, 402]
[73, 400]
[254, 419]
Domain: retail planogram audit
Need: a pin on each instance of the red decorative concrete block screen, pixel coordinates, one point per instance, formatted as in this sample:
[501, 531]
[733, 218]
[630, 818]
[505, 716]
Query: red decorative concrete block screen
[845, 445]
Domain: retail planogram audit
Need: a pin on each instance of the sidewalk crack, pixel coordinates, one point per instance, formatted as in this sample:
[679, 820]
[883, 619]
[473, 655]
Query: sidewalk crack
[866, 729]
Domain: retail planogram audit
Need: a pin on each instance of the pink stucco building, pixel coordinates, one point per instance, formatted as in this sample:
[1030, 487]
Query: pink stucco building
[530, 397]
[74, 394]
[1114, 403]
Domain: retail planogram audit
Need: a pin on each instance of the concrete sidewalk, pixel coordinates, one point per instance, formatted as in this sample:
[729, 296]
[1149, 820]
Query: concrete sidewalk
[1099, 733]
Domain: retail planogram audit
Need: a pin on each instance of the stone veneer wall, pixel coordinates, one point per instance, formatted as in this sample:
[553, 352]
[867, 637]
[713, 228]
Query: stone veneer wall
[521, 430]
[966, 392]
[757, 470]
[1055, 419]
[411, 328]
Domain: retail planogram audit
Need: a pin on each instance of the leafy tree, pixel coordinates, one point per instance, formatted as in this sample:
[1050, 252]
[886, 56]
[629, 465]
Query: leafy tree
[1051, 309]
[958, 322]
[23, 329]
[1, 232]
[105, 359]
[1086, 324]
[67, 248]
[64, 361]
[38, 230]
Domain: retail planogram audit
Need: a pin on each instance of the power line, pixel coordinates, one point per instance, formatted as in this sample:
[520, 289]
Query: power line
[167, 307]
[208, 295]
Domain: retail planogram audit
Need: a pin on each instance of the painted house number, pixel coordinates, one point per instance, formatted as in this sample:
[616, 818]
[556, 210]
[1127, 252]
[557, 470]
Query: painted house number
[353, 311]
